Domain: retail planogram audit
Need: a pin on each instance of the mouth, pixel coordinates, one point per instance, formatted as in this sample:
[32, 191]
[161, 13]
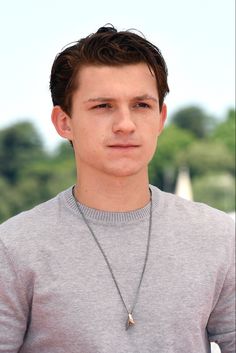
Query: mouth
[123, 146]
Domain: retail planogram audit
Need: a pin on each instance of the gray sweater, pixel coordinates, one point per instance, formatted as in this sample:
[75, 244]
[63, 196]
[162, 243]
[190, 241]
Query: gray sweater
[57, 295]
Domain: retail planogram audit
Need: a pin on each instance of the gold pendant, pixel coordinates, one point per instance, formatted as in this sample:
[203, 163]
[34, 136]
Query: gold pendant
[130, 321]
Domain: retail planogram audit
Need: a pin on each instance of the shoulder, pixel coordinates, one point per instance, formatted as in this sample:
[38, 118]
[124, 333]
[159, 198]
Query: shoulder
[34, 222]
[195, 216]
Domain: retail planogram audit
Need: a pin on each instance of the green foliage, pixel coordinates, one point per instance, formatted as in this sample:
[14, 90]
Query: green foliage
[203, 157]
[29, 175]
[5, 208]
[225, 132]
[164, 165]
[195, 120]
[217, 190]
[212, 155]
[20, 144]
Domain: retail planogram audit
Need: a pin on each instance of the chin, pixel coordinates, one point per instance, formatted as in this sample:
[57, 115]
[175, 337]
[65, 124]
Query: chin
[125, 171]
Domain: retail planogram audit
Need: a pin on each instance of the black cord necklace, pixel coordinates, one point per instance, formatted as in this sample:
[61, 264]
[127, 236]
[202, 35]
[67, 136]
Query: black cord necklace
[130, 321]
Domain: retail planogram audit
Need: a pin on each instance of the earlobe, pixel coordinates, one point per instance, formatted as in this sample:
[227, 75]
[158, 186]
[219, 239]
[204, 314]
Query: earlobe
[61, 122]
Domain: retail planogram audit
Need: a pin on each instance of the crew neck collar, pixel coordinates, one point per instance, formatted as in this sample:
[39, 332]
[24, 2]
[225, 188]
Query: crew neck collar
[96, 215]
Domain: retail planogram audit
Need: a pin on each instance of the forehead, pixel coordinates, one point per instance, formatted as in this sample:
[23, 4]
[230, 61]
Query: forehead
[103, 79]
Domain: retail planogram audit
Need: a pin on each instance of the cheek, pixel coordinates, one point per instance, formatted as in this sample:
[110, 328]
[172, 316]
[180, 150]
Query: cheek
[153, 145]
[152, 140]
[152, 131]
[88, 142]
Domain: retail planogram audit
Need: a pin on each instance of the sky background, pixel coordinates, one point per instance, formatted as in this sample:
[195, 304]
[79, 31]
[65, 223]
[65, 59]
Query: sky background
[196, 38]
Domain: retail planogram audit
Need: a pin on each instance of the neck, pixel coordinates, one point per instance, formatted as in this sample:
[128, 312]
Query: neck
[109, 193]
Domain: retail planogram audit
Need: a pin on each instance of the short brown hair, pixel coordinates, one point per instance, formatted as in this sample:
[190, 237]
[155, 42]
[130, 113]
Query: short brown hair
[105, 47]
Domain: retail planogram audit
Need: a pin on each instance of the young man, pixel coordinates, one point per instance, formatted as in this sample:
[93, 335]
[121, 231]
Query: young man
[114, 265]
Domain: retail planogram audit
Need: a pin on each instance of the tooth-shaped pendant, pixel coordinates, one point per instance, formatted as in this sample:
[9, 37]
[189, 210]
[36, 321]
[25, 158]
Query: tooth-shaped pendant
[130, 321]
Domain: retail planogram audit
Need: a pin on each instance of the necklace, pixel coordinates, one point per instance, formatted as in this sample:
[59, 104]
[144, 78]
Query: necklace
[130, 321]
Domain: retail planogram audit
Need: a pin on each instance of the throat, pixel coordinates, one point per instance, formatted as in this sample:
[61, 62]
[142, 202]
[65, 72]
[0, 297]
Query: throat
[118, 198]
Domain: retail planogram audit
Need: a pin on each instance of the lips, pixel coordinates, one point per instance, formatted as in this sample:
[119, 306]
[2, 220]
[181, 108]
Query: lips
[124, 147]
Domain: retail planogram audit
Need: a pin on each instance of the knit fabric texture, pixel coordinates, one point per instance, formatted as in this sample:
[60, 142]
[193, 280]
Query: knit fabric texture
[57, 294]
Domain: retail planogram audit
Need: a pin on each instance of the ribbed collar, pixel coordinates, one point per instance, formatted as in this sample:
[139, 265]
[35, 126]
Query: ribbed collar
[111, 217]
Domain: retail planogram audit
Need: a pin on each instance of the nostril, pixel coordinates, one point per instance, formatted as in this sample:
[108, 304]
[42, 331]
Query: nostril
[125, 124]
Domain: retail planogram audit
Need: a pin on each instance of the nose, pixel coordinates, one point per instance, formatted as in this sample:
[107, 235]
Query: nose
[123, 122]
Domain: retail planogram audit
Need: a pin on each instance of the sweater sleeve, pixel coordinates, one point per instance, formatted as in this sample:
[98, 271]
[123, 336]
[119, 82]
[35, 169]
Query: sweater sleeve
[13, 305]
[221, 324]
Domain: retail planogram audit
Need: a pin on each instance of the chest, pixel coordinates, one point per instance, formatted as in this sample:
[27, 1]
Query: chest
[75, 294]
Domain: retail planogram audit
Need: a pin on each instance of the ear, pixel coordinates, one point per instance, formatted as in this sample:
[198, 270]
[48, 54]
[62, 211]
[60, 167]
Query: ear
[162, 118]
[62, 122]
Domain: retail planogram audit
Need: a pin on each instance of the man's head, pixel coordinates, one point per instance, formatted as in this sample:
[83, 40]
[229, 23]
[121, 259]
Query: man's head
[108, 92]
[106, 47]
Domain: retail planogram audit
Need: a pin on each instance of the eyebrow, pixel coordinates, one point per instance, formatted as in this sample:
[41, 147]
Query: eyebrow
[109, 99]
[146, 97]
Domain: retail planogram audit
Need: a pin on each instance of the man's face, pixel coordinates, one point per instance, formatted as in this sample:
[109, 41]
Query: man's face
[115, 119]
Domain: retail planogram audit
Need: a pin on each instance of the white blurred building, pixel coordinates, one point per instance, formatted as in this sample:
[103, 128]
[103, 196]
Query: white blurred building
[183, 184]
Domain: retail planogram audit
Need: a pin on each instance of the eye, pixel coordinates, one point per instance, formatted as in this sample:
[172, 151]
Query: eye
[142, 105]
[102, 106]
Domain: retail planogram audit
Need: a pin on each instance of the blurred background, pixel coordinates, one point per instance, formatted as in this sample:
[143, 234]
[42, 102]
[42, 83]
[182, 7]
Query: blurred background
[196, 153]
